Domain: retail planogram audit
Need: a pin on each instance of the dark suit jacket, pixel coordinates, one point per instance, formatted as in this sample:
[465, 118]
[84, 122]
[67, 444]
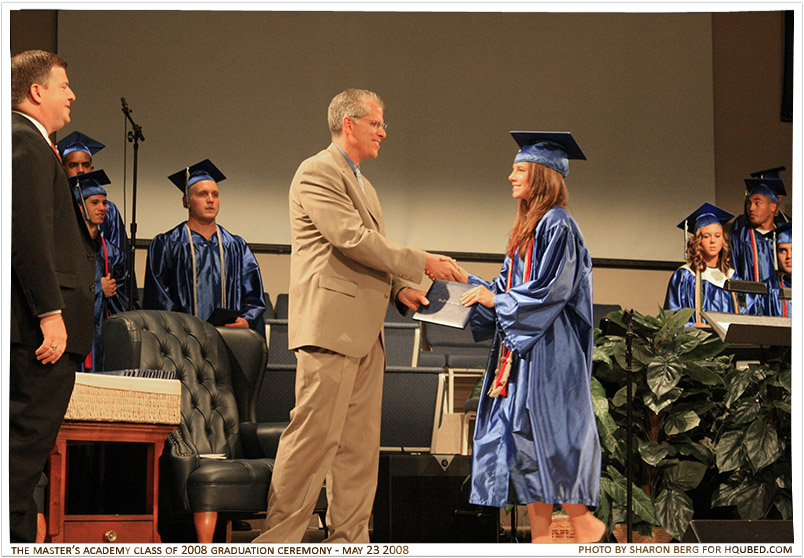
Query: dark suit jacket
[52, 255]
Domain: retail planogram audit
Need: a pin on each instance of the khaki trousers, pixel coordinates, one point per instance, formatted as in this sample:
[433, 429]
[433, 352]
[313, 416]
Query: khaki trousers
[334, 434]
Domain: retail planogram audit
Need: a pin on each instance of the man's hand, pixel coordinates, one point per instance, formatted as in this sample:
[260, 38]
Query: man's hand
[442, 267]
[239, 322]
[412, 298]
[55, 339]
[480, 295]
[109, 286]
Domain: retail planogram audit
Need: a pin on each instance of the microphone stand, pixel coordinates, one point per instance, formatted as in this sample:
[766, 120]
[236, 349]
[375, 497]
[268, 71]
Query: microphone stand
[135, 136]
[629, 434]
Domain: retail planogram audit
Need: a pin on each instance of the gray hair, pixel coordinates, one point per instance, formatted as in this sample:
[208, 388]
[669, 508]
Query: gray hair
[351, 102]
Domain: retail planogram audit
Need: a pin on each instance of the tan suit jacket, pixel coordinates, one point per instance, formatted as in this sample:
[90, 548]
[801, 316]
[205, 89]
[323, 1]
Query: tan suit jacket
[343, 270]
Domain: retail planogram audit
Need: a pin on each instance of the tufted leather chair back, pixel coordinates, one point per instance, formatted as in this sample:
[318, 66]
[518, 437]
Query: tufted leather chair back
[160, 340]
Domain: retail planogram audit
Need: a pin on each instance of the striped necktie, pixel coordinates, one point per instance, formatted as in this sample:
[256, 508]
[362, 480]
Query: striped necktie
[360, 179]
[56, 151]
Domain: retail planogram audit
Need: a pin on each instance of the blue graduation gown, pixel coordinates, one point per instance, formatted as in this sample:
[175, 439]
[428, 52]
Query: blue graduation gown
[169, 275]
[774, 306]
[110, 260]
[541, 439]
[114, 231]
[742, 239]
[681, 294]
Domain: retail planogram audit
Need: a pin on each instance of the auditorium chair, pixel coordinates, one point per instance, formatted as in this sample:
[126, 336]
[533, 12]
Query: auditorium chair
[221, 370]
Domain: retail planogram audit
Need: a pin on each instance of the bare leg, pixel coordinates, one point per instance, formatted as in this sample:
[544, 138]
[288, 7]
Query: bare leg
[587, 527]
[541, 516]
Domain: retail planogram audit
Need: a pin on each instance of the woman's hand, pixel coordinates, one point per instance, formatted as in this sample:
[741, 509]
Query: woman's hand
[109, 286]
[480, 295]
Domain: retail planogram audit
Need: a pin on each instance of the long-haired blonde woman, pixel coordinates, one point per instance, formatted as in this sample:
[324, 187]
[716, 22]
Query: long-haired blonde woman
[699, 283]
[536, 440]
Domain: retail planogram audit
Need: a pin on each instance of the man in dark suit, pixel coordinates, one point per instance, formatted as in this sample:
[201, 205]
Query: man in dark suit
[52, 280]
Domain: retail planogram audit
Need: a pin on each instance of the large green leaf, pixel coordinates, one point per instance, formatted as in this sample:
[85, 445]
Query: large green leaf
[755, 498]
[674, 323]
[656, 404]
[663, 374]
[709, 348]
[729, 451]
[676, 423]
[784, 378]
[697, 450]
[727, 493]
[736, 383]
[621, 397]
[703, 375]
[745, 411]
[653, 452]
[642, 504]
[784, 504]
[685, 476]
[762, 444]
[674, 511]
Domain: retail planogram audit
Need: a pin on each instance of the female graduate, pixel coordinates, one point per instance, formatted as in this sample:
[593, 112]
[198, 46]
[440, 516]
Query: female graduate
[535, 431]
[699, 283]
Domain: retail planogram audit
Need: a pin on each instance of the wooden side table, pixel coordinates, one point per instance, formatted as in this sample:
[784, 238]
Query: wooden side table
[142, 528]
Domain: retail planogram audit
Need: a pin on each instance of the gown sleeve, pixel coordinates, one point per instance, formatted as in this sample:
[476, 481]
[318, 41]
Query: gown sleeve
[483, 321]
[252, 300]
[119, 272]
[158, 273]
[677, 296]
[528, 309]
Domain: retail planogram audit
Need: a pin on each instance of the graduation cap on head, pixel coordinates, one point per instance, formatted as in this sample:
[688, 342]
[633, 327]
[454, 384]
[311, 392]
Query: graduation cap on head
[88, 184]
[707, 214]
[551, 149]
[769, 187]
[769, 173]
[784, 233]
[203, 170]
[76, 141]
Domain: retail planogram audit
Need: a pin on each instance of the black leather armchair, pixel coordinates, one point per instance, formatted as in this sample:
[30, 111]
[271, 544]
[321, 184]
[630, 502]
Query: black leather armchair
[221, 370]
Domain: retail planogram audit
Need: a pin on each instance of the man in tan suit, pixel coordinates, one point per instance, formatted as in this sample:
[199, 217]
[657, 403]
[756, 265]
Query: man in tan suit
[343, 271]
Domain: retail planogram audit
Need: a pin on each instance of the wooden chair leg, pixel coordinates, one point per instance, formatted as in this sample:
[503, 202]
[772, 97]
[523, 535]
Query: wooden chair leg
[41, 528]
[205, 525]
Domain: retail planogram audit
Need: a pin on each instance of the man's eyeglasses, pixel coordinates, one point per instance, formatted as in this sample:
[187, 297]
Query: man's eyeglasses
[377, 125]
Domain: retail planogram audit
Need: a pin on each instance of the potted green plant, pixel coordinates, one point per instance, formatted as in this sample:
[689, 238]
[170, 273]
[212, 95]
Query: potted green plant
[678, 376]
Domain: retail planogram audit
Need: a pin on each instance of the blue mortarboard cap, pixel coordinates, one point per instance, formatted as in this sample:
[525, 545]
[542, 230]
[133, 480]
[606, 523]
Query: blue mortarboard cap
[551, 149]
[76, 141]
[769, 187]
[88, 184]
[707, 214]
[769, 173]
[784, 233]
[203, 170]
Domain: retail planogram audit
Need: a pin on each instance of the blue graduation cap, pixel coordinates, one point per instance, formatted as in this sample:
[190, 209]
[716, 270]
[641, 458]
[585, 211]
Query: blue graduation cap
[551, 149]
[769, 173]
[203, 170]
[76, 141]
[769, 187]
[88, 184]
[707, 214]
[784, 233]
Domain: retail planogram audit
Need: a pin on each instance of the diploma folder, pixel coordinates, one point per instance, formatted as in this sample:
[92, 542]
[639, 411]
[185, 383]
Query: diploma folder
[445, 305]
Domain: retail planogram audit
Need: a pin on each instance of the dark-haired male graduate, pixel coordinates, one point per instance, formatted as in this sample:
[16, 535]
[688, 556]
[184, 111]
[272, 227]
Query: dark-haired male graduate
[110, 266]
[198, 266]
[783, 277]
[752, 251]
[77, 151]
[52, 280]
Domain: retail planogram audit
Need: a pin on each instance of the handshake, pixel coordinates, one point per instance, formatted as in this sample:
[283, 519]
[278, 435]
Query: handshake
[447, 269]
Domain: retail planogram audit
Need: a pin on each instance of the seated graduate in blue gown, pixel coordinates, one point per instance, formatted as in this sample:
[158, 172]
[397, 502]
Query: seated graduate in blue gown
[110, 265]
[77, 151]
[536, 439]
[776, 305]
[699, 283]
[198, 266]
[751, 249]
